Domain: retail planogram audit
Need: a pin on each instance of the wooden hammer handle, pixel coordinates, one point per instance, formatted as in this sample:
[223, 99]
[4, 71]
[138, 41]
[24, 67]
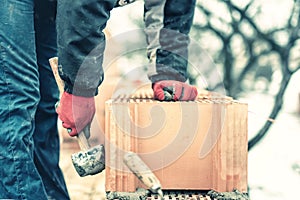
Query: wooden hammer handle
[83, 140]
[82, 136]
[54, 66]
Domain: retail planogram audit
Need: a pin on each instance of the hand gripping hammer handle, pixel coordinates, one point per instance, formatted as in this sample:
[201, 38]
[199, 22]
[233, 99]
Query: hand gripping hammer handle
[89, 161]
[83, 135]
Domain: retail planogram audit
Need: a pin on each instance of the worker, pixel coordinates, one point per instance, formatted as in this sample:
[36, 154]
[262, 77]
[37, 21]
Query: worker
[29, 140]
[81, 44]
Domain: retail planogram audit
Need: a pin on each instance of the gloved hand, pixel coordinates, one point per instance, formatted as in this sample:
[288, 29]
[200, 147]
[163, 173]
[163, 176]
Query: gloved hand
[169, 90]
[75, 112]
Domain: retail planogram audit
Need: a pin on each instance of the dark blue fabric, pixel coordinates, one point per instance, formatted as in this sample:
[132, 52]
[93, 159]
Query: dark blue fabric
[80, 25]
[46, 139]
[81, 43]
[29, 145]
[172, 57]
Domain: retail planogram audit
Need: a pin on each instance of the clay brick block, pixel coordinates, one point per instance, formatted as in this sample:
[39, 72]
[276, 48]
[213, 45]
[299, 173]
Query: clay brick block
[199, 145]
[111, 87]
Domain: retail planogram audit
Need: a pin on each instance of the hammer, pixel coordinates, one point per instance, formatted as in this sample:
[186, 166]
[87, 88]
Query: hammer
[90, 160]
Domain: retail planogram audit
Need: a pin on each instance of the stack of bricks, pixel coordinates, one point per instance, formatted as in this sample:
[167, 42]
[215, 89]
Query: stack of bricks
[195, 145]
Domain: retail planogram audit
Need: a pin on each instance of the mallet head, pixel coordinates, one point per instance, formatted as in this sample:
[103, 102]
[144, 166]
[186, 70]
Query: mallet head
[89, 162]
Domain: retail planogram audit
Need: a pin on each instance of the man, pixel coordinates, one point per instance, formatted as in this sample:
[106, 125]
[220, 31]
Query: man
[29, 142]
[82, 42]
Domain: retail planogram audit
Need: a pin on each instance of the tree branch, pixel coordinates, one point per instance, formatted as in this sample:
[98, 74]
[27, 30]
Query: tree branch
[275, 111]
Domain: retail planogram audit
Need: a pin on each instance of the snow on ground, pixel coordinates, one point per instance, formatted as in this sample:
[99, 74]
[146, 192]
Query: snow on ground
[274, 164]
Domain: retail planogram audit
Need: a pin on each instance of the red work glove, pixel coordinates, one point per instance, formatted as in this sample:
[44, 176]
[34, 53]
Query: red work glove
[170, 90]
[75, 112]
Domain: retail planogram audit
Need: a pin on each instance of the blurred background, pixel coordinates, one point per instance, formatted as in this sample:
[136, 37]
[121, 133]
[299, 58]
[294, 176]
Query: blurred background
[248, 49]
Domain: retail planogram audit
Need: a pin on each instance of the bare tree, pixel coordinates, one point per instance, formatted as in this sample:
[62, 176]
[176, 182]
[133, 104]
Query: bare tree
[246, 49]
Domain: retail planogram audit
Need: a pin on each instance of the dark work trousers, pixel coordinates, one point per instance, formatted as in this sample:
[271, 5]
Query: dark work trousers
[29, 142]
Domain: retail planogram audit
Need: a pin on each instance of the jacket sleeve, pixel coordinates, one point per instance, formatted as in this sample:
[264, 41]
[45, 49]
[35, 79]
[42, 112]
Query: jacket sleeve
[167, 25]
[81, 43]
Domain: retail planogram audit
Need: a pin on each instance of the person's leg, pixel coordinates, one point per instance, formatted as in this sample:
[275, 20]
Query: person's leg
[19, 96]
[46, 138]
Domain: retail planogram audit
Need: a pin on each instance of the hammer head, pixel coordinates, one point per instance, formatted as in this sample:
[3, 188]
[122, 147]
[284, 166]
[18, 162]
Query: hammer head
[89, 162]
